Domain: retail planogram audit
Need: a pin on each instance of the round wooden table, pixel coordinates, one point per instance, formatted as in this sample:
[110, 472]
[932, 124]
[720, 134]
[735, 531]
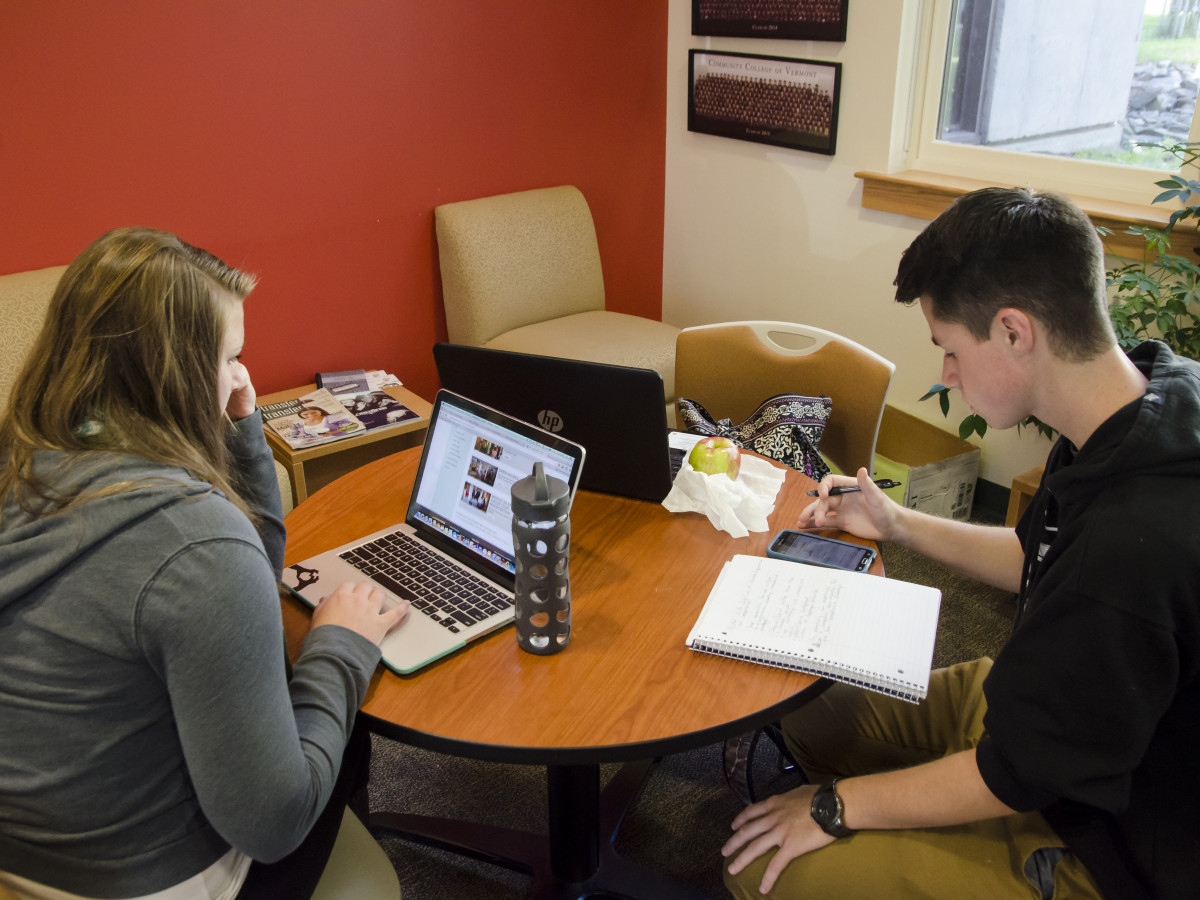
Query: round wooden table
[626, 688]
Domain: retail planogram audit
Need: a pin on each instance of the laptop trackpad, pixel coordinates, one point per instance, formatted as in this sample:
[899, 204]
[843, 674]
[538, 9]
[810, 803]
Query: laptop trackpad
[417, 641]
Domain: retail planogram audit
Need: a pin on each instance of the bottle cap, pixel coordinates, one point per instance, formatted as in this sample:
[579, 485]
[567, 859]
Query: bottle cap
[540, 497]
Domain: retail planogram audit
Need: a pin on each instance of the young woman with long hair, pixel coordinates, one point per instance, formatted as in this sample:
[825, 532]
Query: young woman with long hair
[152, 743]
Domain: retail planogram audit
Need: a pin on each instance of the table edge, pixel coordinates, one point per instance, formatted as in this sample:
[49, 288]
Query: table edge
[599, 753]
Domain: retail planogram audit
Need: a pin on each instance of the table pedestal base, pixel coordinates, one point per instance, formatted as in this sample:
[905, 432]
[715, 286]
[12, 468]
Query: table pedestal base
[576, 859]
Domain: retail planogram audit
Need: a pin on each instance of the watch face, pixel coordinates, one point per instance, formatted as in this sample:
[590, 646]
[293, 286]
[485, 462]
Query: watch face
[825, 807]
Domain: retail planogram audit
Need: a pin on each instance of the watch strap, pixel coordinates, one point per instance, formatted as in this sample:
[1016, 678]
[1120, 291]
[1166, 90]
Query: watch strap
[828, 811]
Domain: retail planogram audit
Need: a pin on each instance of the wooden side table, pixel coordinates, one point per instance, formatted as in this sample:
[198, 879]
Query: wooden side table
[311, 468]
[1024, 486]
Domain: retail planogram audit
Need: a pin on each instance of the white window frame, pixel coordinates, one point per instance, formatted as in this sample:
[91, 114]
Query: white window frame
[922, 151]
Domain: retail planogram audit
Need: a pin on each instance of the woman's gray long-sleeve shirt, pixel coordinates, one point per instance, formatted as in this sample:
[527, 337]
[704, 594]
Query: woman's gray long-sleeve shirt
[146, 721]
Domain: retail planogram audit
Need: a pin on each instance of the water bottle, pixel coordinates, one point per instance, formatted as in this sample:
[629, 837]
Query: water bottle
[542, 541]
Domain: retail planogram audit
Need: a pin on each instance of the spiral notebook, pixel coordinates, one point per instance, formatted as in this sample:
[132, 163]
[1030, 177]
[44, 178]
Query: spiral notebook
[873, 632]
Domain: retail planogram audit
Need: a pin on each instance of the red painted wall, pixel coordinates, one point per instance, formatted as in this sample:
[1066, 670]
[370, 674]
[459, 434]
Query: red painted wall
[309, 140]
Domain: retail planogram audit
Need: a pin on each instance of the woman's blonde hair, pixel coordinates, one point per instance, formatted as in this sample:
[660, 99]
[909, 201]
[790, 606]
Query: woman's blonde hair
[127, 361]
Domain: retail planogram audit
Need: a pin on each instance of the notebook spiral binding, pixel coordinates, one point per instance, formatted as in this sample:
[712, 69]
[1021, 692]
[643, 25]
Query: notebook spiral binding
[822, 668]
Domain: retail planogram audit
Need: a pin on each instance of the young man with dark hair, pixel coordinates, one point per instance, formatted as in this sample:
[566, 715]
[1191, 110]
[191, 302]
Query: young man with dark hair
[1067, 768]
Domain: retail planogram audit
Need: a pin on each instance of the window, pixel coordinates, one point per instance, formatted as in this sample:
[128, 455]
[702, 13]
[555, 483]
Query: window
[1058, 95]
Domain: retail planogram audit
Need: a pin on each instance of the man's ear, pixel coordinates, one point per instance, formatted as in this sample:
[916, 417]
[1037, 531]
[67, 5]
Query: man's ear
[1016, 328]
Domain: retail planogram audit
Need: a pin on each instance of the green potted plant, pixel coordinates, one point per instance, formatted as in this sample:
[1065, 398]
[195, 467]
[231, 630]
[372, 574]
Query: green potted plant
[1157, 296]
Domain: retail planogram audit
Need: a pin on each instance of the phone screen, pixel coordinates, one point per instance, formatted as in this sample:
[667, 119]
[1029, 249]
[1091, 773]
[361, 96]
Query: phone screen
[807, 548]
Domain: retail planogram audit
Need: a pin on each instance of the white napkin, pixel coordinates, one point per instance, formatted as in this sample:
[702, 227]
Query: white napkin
[738, 506]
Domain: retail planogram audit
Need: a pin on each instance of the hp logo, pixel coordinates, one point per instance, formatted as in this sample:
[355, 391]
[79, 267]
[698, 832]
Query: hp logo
[550, 420]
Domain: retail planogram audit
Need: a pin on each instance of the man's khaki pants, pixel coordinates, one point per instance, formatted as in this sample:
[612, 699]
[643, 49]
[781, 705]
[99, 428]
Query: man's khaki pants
[849, 731]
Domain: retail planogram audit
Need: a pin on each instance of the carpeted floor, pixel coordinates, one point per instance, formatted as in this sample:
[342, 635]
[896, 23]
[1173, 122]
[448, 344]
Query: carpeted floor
[975, 619]
[678, 823]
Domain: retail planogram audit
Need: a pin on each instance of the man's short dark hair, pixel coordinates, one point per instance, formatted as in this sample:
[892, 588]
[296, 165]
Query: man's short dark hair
[1013, 247]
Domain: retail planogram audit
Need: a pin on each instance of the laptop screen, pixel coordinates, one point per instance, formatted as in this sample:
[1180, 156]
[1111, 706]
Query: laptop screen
[473, 454]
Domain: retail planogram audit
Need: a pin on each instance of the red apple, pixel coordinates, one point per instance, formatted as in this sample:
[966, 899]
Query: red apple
[716, 456]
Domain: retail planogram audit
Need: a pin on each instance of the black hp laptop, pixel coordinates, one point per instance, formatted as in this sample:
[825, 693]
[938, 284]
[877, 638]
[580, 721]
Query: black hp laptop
[618, 413]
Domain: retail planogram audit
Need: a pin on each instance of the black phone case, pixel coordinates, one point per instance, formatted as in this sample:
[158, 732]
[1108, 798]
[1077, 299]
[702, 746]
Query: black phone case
[869, 554]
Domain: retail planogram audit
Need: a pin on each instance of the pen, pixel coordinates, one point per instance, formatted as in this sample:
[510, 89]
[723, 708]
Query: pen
[834, 491]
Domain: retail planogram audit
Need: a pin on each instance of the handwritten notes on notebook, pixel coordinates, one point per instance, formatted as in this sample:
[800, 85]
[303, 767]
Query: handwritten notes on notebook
[861, 629]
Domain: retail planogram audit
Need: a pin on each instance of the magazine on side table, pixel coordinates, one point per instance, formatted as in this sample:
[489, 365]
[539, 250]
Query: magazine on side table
[322, 416]
[315, 418]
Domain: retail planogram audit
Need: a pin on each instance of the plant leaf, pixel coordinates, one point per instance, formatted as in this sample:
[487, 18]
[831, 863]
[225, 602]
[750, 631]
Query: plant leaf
[972, 424]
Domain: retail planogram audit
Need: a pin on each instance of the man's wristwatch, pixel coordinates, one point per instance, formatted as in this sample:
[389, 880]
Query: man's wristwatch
[828, 810]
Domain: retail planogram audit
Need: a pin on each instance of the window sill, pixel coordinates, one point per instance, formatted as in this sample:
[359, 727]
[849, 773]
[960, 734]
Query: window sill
[924, 195]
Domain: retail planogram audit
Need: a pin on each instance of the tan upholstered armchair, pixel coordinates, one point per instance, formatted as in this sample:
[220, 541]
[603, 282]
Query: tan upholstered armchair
[522, 272]
[24, 298]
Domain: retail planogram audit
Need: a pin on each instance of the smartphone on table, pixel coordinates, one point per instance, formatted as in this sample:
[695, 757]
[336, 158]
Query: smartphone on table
[800, 546]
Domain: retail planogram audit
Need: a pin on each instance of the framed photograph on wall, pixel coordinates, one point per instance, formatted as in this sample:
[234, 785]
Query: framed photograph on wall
[805, 20]
[765, 99]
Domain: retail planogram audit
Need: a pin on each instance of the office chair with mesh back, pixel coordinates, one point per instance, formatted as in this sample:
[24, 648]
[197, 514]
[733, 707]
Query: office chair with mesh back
[731, 367]
[522, 272]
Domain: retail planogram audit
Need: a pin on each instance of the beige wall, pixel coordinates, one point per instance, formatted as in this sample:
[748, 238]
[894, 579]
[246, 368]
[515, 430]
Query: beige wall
[760, 232]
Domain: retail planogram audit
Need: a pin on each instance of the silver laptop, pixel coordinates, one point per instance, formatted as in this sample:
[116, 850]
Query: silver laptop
[452, 559]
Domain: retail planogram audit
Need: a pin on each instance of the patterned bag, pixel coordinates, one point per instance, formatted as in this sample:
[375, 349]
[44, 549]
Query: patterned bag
[786, 427]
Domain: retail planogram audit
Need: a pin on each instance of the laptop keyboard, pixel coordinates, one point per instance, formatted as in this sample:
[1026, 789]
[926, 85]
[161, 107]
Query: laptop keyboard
[453, 597]
[676, 459]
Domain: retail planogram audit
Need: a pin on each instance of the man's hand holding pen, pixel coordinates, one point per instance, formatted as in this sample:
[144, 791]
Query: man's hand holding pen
[856, 505]
[882, 483]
